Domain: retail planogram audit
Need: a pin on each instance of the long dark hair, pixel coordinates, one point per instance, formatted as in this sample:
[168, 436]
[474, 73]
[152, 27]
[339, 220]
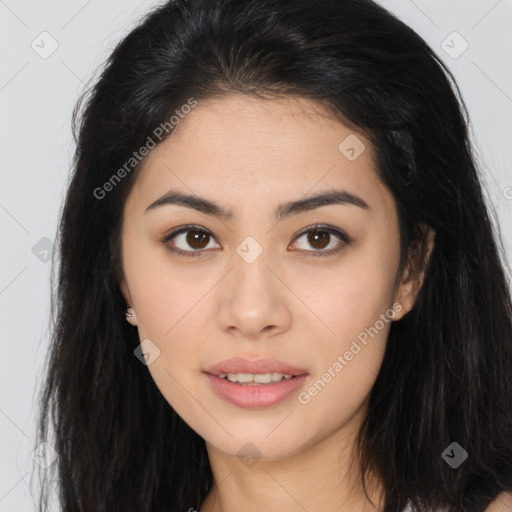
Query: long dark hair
[446, 373]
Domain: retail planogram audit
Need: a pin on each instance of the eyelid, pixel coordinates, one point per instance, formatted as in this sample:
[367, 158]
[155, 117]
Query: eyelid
[324, 227]
[332, 230]
[183, 229]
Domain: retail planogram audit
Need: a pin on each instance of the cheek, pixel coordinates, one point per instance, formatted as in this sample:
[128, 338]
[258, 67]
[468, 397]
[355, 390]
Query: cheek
[163, 293]
[351, 297]
[359, 303]
[357, 307]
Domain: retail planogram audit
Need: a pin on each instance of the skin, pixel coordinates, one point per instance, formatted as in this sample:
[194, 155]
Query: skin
[287, 304]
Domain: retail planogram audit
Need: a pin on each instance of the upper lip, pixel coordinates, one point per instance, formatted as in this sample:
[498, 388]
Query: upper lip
[242, 365]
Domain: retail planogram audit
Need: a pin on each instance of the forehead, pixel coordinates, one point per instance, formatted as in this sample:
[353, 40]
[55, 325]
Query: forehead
[261, 128]
[241, 149]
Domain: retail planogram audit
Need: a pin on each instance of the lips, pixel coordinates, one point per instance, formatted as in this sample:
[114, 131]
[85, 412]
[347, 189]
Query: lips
[258, 396]
[241, 365]
[255, 395]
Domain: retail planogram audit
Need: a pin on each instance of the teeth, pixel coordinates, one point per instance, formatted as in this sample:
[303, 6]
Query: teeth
[242, 377]
[264, 378]
[259, 378]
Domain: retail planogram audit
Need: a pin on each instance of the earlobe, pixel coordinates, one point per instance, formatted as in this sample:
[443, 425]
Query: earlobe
[130, 315]
[405, 297]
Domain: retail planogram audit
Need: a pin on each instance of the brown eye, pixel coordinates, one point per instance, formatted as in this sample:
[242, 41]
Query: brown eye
[320, 238]
[197, 239]
[193, 241]
[189, 241]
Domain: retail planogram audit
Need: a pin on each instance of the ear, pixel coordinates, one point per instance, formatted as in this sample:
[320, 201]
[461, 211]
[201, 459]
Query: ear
[124, 291]
[415, 270]
[132, 319]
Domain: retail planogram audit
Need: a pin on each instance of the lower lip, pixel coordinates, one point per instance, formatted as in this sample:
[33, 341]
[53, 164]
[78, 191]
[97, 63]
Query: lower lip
[255, 397]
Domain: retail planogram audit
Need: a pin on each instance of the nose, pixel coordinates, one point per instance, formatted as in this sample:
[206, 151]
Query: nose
[254, 300]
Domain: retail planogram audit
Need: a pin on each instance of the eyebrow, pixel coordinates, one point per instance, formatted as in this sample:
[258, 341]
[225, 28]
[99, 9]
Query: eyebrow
[209, 207]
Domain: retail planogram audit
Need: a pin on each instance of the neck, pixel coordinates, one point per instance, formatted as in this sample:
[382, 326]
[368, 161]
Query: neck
[324, 476]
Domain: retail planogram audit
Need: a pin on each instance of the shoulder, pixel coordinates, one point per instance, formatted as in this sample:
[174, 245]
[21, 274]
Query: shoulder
[502, 503]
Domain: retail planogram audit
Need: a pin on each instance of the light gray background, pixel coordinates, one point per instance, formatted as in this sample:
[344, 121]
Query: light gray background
[37, 96]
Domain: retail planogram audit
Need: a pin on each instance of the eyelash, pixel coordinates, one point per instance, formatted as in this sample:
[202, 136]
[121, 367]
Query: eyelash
[345, 239]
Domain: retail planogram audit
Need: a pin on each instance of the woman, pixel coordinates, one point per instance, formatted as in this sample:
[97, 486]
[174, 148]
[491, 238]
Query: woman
[279, 288]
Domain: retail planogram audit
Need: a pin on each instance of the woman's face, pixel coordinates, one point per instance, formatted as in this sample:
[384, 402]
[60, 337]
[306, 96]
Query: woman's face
[263, 282]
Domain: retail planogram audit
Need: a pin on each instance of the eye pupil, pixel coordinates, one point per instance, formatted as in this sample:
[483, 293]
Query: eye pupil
[318, 236]
[194, 237]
